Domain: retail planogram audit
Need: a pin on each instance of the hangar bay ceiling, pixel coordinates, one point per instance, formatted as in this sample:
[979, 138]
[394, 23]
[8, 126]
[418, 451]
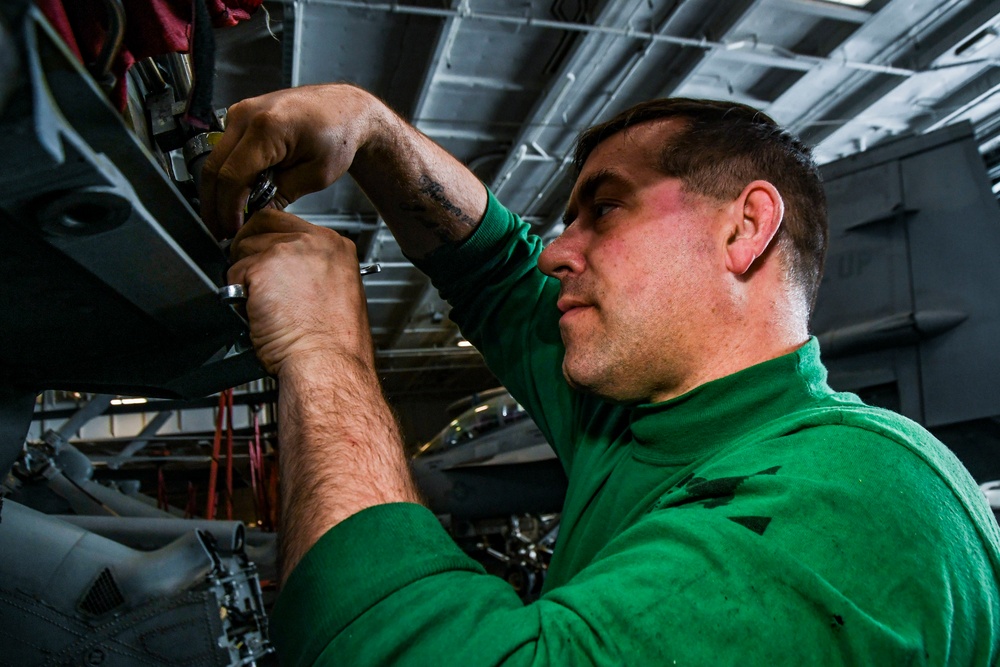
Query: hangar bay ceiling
[507, 87]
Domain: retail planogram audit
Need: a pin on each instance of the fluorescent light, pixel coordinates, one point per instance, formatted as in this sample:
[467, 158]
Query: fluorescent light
[481, 408]
[128, 401]
[464, 343]
[849, 3]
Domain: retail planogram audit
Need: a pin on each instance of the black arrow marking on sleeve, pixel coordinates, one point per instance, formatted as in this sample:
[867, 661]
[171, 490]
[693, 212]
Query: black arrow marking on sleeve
[714, 493]
[757, 524]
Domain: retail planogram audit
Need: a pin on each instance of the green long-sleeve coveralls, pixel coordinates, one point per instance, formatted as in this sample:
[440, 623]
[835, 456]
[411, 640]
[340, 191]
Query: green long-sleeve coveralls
[759, 519]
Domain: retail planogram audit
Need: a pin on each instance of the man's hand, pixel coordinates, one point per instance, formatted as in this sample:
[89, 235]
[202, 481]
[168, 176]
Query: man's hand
[309, 137]
[311, 134]
[341, 450]
[304, 291]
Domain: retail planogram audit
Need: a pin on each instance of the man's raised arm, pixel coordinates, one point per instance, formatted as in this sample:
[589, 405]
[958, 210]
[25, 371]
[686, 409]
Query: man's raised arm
[341, 451]
[311, 136]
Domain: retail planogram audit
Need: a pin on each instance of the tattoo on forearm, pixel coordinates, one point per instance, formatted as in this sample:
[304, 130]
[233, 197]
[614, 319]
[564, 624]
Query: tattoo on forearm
[424, 209]
[443, 234]
[435, 191]
[419, 214]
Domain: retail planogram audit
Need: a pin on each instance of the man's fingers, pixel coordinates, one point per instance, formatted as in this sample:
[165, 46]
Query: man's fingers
[303, 178]
[272, 220]
[247, 148]
[270, 227]
[209, 175]
[305, 137]
[237, 273]
[258, 243]
[234, 178]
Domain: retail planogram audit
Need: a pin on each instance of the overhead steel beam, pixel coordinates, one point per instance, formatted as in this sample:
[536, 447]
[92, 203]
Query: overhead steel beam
[449, 367]
[741, 50]
[95, 407]
[418, 352]
[570, 81]
[625, 32]
[455, 133]
[488, 83]
[350, 223]
[666, 24]
[386, 300]
[826, 10]
[298, 27]
[141, 440]
[439, 73]
[960, 102]
[819, 96]
[437, 66]
[58, 439]
[441, 59]
[751, 53]
[988, 135]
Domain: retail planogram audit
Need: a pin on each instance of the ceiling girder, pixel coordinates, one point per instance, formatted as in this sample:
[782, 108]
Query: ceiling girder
[623, 32]
[959, 103]
[808, 75]
[437, 67]
[822, 96]
[826, 10]
[735, 11]
[577, 72]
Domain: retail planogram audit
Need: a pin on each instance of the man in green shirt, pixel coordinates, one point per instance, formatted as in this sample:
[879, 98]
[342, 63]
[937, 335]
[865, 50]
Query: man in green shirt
[724, 504]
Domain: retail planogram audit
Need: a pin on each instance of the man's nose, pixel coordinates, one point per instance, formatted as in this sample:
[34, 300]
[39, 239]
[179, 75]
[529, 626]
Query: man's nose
[561, 257]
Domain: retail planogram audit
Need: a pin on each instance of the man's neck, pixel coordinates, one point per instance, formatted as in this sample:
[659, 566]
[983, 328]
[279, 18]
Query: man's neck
[736, 354]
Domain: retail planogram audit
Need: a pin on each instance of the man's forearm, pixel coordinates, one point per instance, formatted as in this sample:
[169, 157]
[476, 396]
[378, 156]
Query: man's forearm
[425, 195]
[341, 451]
[309, 137]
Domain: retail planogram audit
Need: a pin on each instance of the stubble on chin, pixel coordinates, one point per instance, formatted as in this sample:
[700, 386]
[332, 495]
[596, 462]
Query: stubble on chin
[566, 367]
[574, 380]
[569, 380]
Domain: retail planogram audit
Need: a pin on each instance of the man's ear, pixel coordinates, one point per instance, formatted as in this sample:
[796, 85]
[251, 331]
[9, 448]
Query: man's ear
[756, 216]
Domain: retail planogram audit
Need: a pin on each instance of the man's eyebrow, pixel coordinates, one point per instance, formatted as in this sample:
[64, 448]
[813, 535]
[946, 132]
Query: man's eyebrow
[587, 189]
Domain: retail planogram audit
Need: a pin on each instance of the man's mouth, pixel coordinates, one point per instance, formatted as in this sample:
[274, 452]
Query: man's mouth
[568, 303]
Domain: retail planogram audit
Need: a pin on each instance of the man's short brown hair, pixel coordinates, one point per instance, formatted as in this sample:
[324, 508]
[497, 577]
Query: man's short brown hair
[723, 146]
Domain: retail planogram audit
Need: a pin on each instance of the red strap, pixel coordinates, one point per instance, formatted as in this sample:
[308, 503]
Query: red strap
[258, 475]
[252, 446]
[192, 503]
[229, 454]
[273, 497]
[214, 467]
[161, 490]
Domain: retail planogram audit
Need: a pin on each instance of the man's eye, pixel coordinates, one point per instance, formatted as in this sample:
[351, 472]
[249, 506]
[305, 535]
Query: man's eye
[601, 210]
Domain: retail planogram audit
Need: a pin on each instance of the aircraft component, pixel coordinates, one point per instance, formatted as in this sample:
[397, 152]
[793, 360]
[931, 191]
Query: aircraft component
[110, 274]
[74, 597]
[518, 548]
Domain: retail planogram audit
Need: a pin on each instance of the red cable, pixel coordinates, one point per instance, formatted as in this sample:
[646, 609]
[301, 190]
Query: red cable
[260, 478]
[192, 503]
[161, 490]
[252, 450]
[265, 500]
[274, 494]
[229, 455]
[214, 468]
